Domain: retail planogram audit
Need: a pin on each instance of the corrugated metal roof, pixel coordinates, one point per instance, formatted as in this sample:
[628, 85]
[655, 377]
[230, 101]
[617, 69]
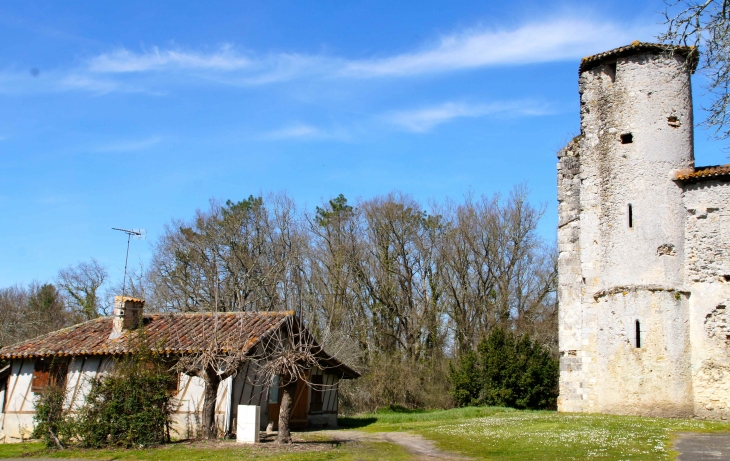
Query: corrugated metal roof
[637, 47]
[705, 173]
[167, 333]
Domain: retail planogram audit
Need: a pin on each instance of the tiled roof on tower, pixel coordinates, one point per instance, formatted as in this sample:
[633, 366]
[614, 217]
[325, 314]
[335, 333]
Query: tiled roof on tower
[637, 47]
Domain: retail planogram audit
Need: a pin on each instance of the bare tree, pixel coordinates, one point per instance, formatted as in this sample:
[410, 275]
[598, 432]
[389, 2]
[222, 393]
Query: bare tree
[381, 282]
[288, 355]
[705, 25]
[27, 312]
[213, 364]
[80, 285]
[136, 285]
[336, 300]
[240, 256]
[496, 270]
[13, 327]
[285, 354]
[397, 273]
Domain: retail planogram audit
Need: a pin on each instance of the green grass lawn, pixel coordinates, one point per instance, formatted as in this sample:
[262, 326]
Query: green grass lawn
[506, 434]
[480, 433]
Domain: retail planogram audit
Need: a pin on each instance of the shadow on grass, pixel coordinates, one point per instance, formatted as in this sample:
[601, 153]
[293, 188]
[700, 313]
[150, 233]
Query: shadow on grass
[390, 409]
[355, 423]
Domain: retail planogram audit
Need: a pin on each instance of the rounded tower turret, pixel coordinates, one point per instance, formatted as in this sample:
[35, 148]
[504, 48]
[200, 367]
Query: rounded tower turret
[636, 117]
[625, 338]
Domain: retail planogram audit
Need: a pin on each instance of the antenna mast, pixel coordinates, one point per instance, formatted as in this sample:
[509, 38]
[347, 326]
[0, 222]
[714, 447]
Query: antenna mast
[138, 234]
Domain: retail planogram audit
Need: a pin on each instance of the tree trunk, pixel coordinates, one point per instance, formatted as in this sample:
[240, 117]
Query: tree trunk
[212, 380]
[285, 411]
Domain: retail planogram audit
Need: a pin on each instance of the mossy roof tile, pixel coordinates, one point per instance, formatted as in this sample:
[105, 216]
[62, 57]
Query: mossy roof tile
[705, 173]
[638, 47]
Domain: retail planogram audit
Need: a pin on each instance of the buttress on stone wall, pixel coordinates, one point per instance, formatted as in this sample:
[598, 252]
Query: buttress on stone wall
[644, 258]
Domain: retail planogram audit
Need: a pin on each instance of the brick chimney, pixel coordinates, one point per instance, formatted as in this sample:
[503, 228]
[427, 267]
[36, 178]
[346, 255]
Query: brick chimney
[128, 314]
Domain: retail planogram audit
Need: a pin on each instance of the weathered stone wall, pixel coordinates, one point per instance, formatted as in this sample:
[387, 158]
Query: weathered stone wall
[708, 276]
[649, 101]
[644, 259]
[653, 379]
[569, 278]
[598, 101]
[636, 124]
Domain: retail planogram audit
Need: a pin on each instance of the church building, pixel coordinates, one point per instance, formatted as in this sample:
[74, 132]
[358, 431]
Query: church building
[644, 245]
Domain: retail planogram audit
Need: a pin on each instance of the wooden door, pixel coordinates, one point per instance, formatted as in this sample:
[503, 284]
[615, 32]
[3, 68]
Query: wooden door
[300, 412]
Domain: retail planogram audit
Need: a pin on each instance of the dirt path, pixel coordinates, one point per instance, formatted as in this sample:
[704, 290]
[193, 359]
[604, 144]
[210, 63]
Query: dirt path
[693, 446]
[418, 445]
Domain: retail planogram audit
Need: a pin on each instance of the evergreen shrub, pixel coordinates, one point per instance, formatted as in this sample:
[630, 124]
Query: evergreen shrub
[508, 371]
[131, 406]
[53, 425]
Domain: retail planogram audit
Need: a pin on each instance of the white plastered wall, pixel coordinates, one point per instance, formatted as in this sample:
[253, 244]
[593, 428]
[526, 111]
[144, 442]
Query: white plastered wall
[19, 407]
[17, 419]
[17, 423]
[246, 388]
[189, 405]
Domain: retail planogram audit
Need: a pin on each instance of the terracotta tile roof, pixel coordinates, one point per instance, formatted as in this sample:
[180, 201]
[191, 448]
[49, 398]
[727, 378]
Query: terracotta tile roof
[704, 173]
[638, 47]
[169, 333]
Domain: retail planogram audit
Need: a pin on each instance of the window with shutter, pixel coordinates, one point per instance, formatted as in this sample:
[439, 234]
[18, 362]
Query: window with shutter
[41, 376]
[45, 374]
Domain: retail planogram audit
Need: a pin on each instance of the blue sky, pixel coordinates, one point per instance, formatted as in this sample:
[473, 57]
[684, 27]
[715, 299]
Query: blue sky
[129, 114]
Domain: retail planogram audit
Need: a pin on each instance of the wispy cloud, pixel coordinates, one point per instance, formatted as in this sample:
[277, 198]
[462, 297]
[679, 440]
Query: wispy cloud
[124, 61]
[154, 69]
[89, 83]
[120, 146]
[302, 131]
[552, 40]
[56, 81]
[424, 119]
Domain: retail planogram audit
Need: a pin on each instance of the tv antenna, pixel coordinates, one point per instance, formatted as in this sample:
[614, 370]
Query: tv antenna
[138, 234]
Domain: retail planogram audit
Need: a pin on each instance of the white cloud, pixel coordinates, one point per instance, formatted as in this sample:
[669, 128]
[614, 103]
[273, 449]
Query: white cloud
[552, 40]
[153, 70]
[294, 131]
[132, 145]
[55, 81]
[424, 119]
[303, 131]
[124, 61]
[89, 83]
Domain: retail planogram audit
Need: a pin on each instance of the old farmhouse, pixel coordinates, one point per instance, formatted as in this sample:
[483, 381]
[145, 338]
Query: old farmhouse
[644, 243]
[79, 353]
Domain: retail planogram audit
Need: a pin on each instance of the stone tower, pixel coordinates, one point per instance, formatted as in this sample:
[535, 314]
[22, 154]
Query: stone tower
[624, 319]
